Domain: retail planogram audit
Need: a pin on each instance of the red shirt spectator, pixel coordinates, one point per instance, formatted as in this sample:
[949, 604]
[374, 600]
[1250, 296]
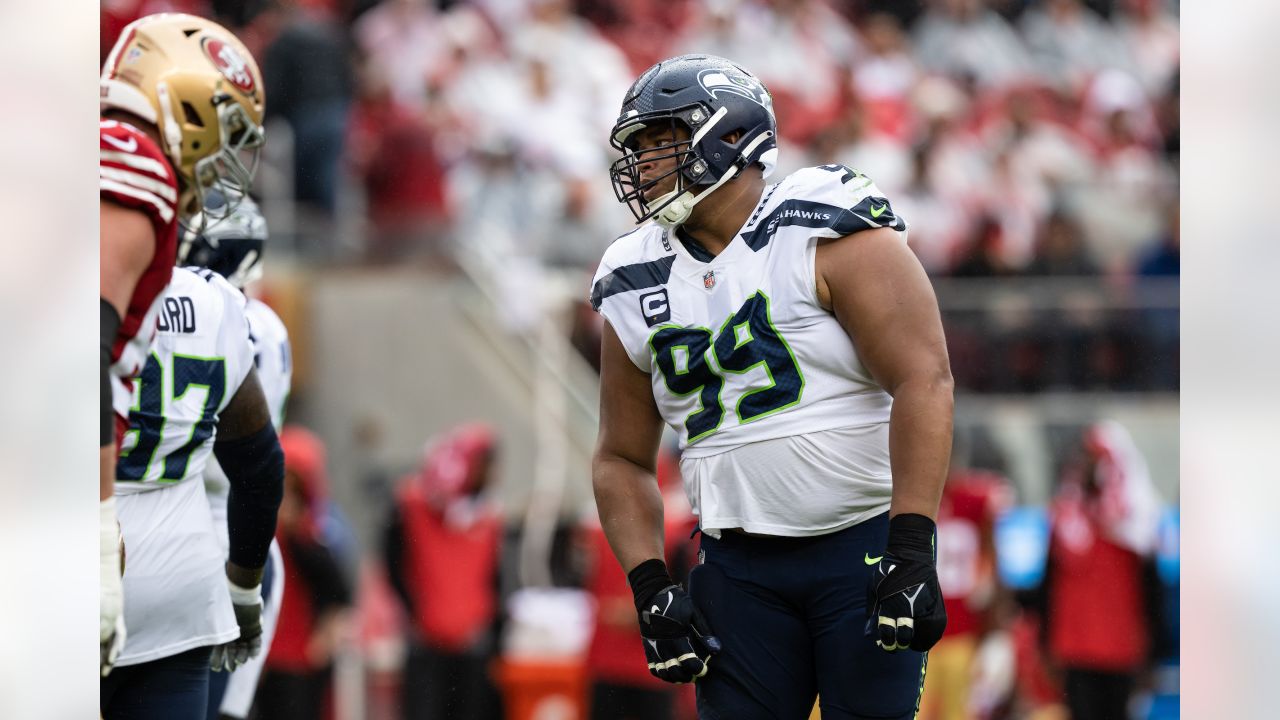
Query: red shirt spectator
[394, 152]
[442, 551]
[1101, 594]
[314, 585]
[449, 542]
[299, 666]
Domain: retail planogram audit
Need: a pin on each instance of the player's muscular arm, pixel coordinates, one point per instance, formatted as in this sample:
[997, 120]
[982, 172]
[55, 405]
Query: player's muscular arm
[249, 452]
[881, 296]
[126, 243]
[678, 642]
[623, 468]
[247, 412]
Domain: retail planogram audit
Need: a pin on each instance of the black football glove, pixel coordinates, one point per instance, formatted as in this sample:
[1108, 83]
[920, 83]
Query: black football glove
[678, 643]
[904, 602]
[247, 603]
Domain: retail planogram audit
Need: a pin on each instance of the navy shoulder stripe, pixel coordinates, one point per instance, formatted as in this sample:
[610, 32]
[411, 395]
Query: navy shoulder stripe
[876, 212]
[632, 277]
[871, 213]
[804, 213]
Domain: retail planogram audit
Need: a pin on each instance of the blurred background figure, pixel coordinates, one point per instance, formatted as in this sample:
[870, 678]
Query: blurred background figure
[313, 619]
[442, 548]
[977, 604]
[307, 64]
[394, 155]
[1061, 250]
[1102, 603]
[1069, 42]
[969, 41]
[1162, 259]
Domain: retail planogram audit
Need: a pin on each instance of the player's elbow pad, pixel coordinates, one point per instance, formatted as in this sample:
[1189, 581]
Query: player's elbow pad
[254, 466]
[108, 326]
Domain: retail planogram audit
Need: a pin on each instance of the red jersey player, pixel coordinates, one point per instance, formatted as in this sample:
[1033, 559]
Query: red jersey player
[971, 502]
[182, 104]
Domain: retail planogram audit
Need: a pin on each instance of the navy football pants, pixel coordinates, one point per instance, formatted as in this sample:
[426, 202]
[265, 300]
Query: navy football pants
[171, 688]
[791, 615]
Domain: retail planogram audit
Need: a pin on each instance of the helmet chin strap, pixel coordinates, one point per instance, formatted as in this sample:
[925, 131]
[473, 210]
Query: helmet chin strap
[679, 209]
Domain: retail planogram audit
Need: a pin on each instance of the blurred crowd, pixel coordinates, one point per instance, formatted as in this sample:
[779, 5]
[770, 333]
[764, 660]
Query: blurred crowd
[1020, 138]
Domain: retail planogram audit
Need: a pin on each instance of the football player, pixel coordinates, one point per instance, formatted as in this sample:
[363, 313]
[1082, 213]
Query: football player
[233, 249]
[181, 108]
[791, 338]
[189, 605]
[972, 501]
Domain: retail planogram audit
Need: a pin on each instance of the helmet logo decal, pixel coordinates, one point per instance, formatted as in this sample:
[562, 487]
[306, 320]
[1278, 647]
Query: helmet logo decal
[719, 80]
[230, 63]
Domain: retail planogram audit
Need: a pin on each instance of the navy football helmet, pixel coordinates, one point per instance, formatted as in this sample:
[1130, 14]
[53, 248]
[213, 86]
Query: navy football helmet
[712, 99]
[232, 246]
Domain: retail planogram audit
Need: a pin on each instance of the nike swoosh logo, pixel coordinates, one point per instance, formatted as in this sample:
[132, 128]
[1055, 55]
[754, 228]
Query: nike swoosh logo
[877, 212]
[871, 560]
[127, 147]
[911, 599]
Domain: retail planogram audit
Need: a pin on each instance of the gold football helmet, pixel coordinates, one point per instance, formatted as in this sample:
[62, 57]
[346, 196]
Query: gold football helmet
[198, 84]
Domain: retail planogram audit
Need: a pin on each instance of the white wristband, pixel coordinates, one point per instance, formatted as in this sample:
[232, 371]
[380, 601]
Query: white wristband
[245, 596]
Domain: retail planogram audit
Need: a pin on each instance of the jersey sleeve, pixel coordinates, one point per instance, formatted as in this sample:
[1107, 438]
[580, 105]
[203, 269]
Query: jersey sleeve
[133, 172]
[624, 285]
[852, 201]
[272, 356]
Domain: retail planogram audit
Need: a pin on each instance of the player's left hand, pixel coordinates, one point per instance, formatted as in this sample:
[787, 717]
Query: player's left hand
[111, 628]
[904, 602]
[110, 647]
[678, 643]
[247, 603]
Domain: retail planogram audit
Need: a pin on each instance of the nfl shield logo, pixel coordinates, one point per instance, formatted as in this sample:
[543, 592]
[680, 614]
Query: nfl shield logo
[709, 279]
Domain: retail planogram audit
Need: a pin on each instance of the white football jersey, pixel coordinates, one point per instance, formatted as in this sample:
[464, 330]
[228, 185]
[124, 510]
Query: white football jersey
[740, 352]
[200, 355]
[175, 585]
[273, 359]
[272, 356]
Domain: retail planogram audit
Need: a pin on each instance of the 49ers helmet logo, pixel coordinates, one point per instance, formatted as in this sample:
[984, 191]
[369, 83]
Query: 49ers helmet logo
[230, 63]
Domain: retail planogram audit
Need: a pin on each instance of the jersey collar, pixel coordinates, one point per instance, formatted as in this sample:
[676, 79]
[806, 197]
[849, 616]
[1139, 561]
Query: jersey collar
[698, 257]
